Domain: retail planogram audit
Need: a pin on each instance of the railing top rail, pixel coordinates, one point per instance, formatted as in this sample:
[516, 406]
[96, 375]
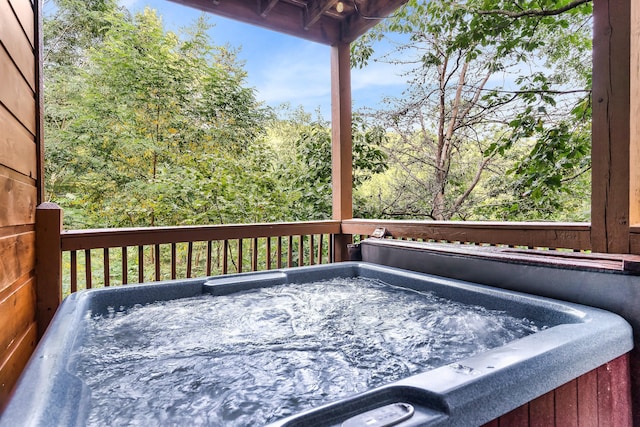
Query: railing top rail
[117, 237]
[519, 225]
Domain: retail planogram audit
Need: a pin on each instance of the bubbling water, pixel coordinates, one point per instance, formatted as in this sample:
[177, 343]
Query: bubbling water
[256, 356]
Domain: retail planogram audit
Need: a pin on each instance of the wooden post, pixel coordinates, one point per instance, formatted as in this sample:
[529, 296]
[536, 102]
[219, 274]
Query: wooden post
[612, 121]
[634, 157]
[341, 144]
[48, 263]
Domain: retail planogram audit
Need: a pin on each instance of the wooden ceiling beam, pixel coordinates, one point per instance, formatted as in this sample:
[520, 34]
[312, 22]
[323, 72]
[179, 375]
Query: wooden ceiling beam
[315, 9]
[266, 6]
[366, 15]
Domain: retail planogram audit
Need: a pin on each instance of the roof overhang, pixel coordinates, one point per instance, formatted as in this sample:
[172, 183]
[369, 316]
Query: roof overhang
[329, 22]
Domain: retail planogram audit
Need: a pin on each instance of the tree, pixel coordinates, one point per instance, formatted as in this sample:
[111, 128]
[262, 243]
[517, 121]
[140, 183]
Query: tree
[456, 122]
[162, 131]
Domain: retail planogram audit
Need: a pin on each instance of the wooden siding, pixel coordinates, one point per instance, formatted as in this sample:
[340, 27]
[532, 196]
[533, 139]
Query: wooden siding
[18, 188]
[601, 397]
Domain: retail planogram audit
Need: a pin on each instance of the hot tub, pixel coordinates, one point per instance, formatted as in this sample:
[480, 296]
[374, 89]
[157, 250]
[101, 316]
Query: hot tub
[571, 341]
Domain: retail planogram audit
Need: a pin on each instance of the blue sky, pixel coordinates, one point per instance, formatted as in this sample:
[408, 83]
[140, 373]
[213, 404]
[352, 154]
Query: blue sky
[283, 68]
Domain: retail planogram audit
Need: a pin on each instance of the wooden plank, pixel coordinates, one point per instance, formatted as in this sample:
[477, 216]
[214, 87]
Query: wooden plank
[107, 238]
[517, 418]
[14, 361]
[541, 410]
[553, 235]
[24, 12]
[16, 94]
[634, 98]
[365, 18]
[106, 267]
[614, 393]
[18, 150]
[17, 202]
[17, 313]
[566, 404]
[588, 399]
[610, 126]
[634, 243]
[17, 43]
[17, 257]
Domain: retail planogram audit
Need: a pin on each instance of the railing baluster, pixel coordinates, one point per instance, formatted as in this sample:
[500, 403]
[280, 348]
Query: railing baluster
[174, 262]
[107, 269]
[321, 237]
[157, 262]
[87, 268]
[225, 257]
[290, 252]
[189, 256]
[74, 271]
[209, 253]
[240, 255]
[301, 251]
[311, 249]
[140, 264]
[268, 256]
[279, 255]
[125, 267]
[254, 254]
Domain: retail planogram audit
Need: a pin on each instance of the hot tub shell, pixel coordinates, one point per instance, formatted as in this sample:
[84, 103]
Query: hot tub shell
[467, 392]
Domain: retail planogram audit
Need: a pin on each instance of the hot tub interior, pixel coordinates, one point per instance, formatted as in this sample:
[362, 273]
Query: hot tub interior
[305, 347]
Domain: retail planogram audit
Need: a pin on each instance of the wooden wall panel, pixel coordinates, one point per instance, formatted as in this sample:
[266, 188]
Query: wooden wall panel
[14, 363]
[17, 201]
[20, 180]
[15, 41]
[15, 93]
[17, 313]
[18, 150]
[17, 257]
[24, 12]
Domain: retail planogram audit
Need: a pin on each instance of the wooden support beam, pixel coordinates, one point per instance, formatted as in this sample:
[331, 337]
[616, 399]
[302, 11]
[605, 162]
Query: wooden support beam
[341, 144]
[48, 263]
[266, 6]
[612, 121]
[634, 157]
[315, 9]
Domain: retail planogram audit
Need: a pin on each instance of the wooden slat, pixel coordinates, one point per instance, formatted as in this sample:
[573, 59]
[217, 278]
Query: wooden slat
[311, 251]
[189, 258]
[566, 402]
[16, 94]
[320, 248]
[541, 411]
[174, 261]
[15, 360]
[268, 253]
[254, 254]
[225, 257]
[125, 266]
[517, 418]
[156, 255]
[24, 12]
[87, 269]
[548, 235]
[107, 238]
[314, 11]
[17, 202]
[240, 254]
[17, 43]
[634, 242]
[279, 254]
[17, 146]
[17, 313]
[74, 271]
[209, 254]
[614, 393]
[17, 257]
[588, 399]
[290, 252]
[634, 98]
[106, 267]
[301, 251]
[140, 264]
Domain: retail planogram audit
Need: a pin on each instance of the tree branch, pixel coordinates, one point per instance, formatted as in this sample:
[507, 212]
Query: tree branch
[527, 13]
